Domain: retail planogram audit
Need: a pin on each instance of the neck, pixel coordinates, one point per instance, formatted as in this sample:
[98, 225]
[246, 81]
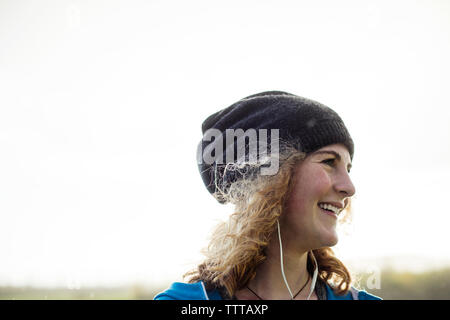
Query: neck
[269, 283]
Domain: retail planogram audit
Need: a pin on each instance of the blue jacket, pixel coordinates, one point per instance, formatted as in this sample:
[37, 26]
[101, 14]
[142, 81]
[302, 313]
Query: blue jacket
[197, 291]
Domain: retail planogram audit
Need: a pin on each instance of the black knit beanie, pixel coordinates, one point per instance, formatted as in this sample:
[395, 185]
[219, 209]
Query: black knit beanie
[304, 124]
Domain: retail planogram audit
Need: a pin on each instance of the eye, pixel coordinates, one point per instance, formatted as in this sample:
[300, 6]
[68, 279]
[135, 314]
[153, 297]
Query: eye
[329, 161]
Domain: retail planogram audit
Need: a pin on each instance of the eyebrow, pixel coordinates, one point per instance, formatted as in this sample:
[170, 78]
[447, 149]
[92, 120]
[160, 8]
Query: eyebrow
[337, 155]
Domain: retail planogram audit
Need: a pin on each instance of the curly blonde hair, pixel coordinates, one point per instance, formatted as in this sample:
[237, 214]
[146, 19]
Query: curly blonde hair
[237, 246]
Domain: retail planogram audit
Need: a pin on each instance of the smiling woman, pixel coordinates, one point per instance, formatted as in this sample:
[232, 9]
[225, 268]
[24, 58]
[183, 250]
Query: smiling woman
[321, 190]
[277, 243]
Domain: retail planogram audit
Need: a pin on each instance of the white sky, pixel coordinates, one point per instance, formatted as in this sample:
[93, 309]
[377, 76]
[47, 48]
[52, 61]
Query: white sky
[101, 108]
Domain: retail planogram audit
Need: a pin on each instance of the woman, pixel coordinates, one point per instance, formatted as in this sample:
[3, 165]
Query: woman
[276, 245]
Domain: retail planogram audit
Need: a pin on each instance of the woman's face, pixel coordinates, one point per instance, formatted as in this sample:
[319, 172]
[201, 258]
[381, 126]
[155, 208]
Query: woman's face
[322, 177]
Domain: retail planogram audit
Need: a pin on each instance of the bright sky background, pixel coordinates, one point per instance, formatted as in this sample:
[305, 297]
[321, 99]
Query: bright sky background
[101, 108]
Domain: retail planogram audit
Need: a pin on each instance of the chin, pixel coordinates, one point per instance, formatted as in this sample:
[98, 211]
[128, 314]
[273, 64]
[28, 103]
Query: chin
[330, 240]
[333, 243]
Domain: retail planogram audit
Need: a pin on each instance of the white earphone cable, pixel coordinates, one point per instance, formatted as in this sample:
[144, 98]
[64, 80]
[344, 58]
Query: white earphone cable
[281, 261]
[316, 269]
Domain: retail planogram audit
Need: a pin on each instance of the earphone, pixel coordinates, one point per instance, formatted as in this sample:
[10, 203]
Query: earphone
[316, 269]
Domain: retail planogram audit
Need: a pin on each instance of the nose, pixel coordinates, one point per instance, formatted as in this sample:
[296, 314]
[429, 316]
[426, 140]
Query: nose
[344, 184]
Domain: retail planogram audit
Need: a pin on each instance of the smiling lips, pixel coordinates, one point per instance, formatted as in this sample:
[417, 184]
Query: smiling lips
[330, 209]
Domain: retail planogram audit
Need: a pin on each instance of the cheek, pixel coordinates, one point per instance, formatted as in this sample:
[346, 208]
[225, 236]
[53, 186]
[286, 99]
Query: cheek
[312, 187]
[316, 185]
[301, 196]
[322, 183]
[296, 203]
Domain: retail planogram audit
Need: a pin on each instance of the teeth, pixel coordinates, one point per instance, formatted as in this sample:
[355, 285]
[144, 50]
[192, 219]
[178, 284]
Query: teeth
[330, 207]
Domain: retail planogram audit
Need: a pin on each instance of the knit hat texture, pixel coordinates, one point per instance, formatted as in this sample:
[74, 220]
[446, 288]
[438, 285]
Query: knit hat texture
[305, 124]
